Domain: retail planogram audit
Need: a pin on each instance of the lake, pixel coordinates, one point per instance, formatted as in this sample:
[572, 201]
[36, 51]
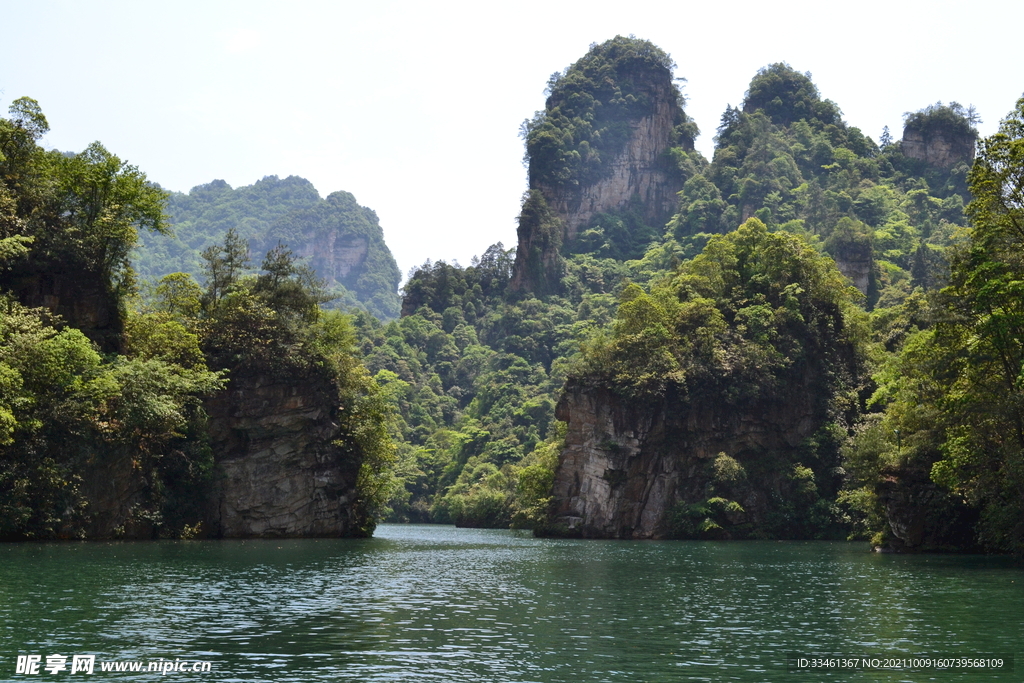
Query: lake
[435, 603]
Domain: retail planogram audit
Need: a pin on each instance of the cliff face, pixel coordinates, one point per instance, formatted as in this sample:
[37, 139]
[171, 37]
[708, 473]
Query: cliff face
[80, 298]
[344, 244]
[335, 256]
[601, 145]
[937, 147]
[341, 240]
[627, 469]
[278, 469]
[923, 517]
[116, 490]
[858, 270]
[639, 171]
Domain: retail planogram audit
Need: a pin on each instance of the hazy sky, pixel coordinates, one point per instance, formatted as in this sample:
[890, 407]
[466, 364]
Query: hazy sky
[415, 107]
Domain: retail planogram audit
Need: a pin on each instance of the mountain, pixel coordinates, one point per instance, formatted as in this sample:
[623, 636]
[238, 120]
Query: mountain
[685, 348]
[607, 157]
[719, 404]
[341, 240]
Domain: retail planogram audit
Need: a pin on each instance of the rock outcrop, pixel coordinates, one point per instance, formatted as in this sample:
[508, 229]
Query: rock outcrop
[922, 516]
[640, 174]
[628, 468]
[117, 492]
[334, 256]
[342, 241]
[279, 470]
[937, 147]
[858, 270]
[344, 244]
[80, 298]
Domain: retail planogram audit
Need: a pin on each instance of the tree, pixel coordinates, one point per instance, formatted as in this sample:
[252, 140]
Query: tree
[979, 344]
[105, 203]
[179, 295]
[19, 153]
[886, 138]
[289, 287]
[224, 264]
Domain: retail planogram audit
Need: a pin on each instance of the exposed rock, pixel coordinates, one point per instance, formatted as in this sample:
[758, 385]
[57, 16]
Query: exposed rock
[79, 298]
[937, 147]
[921, 515]
[638, 171]
[857, 270]
[627, 466]
[641, 175]
[342, 241]
[334, 256]
[538, 266]
[279, 471]
[115, 487]
[851, 246]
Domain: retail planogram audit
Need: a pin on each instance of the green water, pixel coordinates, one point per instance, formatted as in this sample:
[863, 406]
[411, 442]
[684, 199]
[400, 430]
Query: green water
[429, 603]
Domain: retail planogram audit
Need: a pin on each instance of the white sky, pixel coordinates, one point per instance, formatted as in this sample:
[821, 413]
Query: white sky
[415, 107]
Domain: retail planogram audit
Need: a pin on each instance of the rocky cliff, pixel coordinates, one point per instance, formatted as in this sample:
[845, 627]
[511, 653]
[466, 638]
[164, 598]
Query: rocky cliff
[80, 298]
[922, 516]
[601, 145]
[937, 147]
[344, 244]
[631, 470]
[941, 135]
[280, 470]
[335, 256]
[858, 270]
[704, 416]
[641, 171]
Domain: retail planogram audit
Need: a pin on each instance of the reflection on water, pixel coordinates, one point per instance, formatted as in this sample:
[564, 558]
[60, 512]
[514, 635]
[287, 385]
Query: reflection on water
[431, 603]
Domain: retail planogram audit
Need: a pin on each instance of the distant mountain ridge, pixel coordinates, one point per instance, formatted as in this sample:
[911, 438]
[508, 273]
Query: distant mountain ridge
[340, 239]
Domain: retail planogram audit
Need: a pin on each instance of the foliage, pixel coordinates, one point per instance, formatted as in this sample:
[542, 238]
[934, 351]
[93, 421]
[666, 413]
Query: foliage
[788, 158]
[948, 396]
[73, 419]
[473, 373]
[81, 214]
[65, 408]
[540, 237]
[979, 345]
[81, 209]
[953, 119]
[535, 477]
[753, 307]
[788, 96]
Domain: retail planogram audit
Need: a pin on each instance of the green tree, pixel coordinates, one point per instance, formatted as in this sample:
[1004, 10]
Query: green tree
[106, 202]
[979, 344]
[223, 265]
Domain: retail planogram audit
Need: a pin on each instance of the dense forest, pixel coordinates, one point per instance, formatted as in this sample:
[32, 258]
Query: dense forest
[870, 287]
[104, 425]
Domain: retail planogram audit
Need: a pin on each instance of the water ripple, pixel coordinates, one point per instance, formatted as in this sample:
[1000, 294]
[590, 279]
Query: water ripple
[440, 604]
